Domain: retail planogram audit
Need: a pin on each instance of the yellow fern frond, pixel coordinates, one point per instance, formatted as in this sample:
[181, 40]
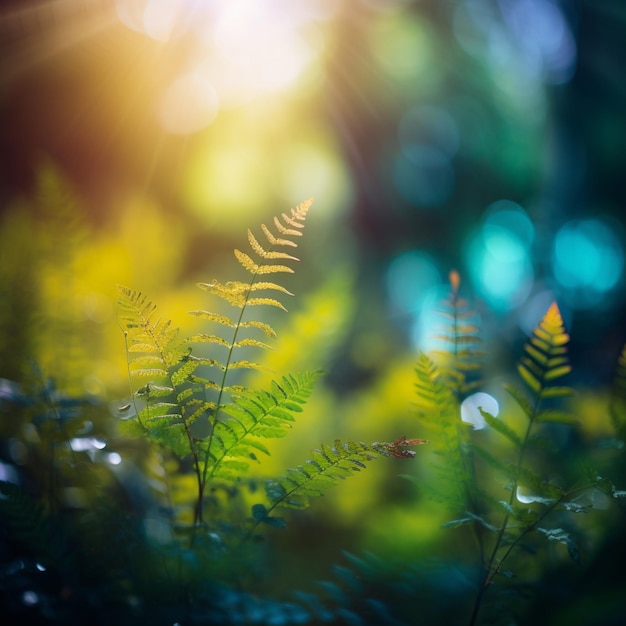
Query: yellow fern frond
[545, 358]
[265, 254]
[272, 286]
[256, 269]
[262, 326]
[276, 241]
[266, 302]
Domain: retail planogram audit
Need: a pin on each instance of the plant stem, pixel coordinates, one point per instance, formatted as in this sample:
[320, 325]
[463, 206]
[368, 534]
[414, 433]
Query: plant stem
[490, 570]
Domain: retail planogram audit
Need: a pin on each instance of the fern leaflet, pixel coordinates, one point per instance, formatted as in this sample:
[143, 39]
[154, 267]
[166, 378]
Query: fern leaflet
[328, 465]
[155, 351]
[460, 361]
[255, 415]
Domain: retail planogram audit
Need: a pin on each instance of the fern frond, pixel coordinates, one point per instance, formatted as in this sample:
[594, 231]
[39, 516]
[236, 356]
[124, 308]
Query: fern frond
[460, 357]
[255, 415]
[213, 317]
[219, 447]
[156, 352]
[328, 465]
[266, 302]
[545, 359]
[257, 268]
[146, 332]
[439, 411]
[435, 401]
[276, 241]
[262, 326]
[267, 254]
[325, 469]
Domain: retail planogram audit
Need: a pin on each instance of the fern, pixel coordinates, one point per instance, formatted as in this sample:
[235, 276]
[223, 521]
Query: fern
[441, 385]
[541, 367]
[186, 406]
[438, 409]
[328, 465]
[460, 335]
[255, 415]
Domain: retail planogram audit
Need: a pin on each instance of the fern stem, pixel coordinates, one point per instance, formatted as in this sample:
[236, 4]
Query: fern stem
[491, 571]
[468, 461]
[218, 405]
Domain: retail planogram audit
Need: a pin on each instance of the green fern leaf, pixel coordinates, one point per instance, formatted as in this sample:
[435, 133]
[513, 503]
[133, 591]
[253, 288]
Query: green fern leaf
[556, 392]
[265, 328]
[244, 364]
[204, 338]
[434, 398]
[272, 286]
[170, 403]
[255, 415]
[520, 399]
[459, 360]
[327, 466]
[534, 483]
[556, 417]
[501, 427]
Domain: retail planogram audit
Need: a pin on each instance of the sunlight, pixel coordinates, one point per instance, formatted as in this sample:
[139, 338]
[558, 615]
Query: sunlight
[238, 50]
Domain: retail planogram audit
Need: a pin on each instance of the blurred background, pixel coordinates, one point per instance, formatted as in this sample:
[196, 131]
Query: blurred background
[141, 138]
[481, 135]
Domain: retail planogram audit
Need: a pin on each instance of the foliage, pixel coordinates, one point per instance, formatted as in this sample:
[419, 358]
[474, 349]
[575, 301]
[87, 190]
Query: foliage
[181, 533]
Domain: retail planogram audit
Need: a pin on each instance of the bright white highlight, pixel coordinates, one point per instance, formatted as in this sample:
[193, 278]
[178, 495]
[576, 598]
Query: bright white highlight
[113, 458]
[236, 51]
[470, 409]
[84, 444]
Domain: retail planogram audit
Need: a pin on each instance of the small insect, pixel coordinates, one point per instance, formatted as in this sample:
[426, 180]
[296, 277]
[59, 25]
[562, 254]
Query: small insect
[398, 448]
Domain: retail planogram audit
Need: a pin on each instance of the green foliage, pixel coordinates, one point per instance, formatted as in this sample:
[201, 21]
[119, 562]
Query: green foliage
[502, 529]
[190, 405]
[460, 360]
[440, 387]
[184, 537]
[187, 402]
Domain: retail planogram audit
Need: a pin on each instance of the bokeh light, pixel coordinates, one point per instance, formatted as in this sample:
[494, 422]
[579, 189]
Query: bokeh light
[179, 124]
[544, 38]
[189, 104]
[416, 290]
[234, 51]
[587, 261]
[424, 176]
[411, 279]
[499, 255]
[470, 409]
[400, 44]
